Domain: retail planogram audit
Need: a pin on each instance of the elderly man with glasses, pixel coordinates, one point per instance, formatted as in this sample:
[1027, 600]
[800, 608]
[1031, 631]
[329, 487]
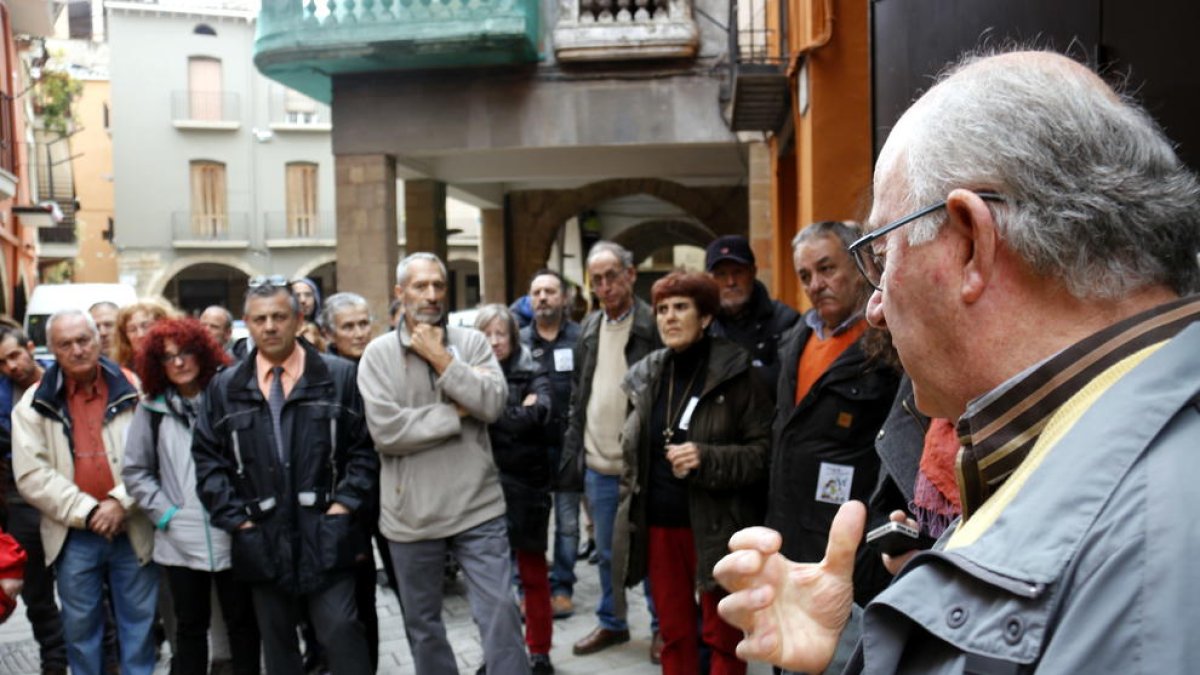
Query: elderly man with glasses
[1057, 323]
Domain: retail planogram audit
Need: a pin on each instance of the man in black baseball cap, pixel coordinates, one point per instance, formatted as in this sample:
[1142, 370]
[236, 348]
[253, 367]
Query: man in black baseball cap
[748, 315]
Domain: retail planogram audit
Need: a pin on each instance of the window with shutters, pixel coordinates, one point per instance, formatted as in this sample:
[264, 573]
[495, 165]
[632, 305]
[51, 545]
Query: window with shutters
[209, 215]
[302, 199]
[205, 95]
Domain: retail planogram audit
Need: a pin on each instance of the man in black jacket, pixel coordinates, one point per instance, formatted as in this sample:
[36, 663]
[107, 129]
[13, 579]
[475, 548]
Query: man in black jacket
[831, 398]
[612, 339]
[283, 462]
[748, 316]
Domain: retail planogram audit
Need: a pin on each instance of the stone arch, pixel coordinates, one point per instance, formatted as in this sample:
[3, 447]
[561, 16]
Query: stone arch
[158, 281]
[649, 236]
[313, 263]
[536, 215]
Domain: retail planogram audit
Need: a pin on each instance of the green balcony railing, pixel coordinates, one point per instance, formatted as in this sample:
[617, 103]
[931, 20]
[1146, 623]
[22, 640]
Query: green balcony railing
[303, 43]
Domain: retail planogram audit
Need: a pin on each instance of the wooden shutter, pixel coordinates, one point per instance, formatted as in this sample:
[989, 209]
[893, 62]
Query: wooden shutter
[302, 199]
[209, 218]
[204, 89]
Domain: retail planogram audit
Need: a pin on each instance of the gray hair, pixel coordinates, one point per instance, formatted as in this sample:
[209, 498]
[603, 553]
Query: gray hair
[336, 303]
[618, 251]
[402, 268]
[844, 232]
[224, 312]
[270, 291]
[1096, 195]
[489, 313]
[65, 313]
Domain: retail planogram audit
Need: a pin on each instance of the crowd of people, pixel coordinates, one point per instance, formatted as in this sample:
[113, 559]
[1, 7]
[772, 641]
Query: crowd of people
[974, 379]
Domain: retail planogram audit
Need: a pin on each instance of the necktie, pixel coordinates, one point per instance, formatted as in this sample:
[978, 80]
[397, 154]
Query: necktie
[275, 403]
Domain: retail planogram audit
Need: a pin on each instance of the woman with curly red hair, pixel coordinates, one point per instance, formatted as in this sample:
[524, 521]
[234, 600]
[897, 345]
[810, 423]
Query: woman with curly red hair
[175, 362]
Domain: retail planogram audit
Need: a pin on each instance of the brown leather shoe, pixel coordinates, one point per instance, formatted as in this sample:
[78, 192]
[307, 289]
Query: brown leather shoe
[599, 639]
[656, 647]
[562, 606]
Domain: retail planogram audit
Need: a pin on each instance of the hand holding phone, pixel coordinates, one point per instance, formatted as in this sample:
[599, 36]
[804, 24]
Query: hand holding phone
[896, 538]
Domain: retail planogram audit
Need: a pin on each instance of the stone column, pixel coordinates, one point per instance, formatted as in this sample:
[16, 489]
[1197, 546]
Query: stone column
[493, 257]
[425, 217]
[762, 226]
[367, 252]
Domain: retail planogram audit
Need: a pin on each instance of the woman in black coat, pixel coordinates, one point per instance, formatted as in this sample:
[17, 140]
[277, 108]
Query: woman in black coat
[522, 451]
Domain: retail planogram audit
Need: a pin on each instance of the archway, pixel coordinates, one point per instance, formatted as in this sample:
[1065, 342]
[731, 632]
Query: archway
[197, 286]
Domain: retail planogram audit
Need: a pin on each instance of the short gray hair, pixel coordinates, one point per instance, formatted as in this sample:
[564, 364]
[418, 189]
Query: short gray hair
[1096, 195]
[489, 313]
[336, 303]
[843, 232]
[64, 313]
[402, 268]
[618, 251]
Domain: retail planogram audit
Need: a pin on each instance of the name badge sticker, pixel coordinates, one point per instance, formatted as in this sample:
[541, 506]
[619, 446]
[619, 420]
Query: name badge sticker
[686, 420]
[564, 360]
[834, 482]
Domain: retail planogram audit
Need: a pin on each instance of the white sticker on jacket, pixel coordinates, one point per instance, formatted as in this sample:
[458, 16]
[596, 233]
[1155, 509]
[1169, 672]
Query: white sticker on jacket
[686, 420]
[564, 360]
[833, 483]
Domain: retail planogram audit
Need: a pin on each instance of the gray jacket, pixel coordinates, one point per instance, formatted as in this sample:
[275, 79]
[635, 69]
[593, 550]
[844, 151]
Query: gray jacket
[163, 481]
[1091, 568]
[437, 474]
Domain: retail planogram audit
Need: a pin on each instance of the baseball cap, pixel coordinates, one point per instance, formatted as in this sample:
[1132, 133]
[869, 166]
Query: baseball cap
[729, 247]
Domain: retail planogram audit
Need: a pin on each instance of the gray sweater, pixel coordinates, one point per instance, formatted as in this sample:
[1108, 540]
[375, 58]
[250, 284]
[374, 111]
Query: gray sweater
[437, 476]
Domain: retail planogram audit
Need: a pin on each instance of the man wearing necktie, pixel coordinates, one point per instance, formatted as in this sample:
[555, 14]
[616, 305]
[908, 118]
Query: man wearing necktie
[283, 462]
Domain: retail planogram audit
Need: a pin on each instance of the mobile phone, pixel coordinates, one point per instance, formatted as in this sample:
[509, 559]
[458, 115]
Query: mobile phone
[895, 538]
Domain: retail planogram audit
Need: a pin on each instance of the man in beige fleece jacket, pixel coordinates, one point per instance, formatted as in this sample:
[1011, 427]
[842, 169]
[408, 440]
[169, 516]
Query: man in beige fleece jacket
[430, 392]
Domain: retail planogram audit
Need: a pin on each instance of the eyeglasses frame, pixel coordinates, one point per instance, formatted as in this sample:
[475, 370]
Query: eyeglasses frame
[861, 246]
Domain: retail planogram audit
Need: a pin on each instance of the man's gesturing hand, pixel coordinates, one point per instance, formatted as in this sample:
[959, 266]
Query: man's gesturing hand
[792, 613]
[427, 343]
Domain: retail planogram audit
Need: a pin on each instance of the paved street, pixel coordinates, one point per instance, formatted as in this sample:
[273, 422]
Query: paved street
[18, 651]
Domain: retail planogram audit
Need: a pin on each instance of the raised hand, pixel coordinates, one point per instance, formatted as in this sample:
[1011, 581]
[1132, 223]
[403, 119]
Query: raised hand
[792, 613]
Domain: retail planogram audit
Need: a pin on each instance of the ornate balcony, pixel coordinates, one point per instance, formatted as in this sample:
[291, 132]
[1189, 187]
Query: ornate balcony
[612, 30]
[303, 43]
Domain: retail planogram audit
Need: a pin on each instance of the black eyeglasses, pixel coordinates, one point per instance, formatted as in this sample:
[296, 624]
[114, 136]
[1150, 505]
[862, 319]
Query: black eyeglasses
[265, 280]
[870, 264]
[181, 357]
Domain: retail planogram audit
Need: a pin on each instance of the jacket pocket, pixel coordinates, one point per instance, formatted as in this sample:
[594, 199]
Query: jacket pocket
[336, 541]
[252, 559]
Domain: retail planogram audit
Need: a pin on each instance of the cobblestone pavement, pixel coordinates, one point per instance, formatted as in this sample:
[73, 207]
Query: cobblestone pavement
[19, 656]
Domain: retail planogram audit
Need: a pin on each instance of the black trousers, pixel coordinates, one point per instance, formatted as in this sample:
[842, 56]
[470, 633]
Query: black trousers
[38, 594]
[192, 591]
[334, 617]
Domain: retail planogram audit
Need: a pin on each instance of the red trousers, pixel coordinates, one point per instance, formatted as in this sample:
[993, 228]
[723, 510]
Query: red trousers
[672, 569]
[535, 584]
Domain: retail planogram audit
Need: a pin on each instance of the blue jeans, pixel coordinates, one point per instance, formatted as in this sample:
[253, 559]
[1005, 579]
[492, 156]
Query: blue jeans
[87, 559]
[602, 494]
[566, 543]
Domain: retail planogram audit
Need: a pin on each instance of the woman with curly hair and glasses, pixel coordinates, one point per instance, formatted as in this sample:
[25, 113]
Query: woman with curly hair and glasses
[176, 360]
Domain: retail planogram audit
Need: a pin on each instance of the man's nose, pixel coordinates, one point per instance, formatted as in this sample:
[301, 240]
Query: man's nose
[874, 311]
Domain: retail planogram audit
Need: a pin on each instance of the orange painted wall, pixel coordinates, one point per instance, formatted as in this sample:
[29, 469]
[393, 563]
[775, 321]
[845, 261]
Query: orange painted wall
[827, 177]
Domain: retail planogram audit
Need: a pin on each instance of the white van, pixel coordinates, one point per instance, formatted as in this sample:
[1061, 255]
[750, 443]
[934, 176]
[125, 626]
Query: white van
[50, 298]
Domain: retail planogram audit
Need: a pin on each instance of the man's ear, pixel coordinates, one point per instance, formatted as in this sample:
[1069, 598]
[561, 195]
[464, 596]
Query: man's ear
[398, 292]
[973, 223]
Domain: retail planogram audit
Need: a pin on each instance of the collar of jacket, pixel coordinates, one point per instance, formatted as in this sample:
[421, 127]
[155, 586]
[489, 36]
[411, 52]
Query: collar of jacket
[568, 332]
[313, 383]
[726, 360]
[850, 363]
[50, 399]
[644, 326]
[522, 362]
